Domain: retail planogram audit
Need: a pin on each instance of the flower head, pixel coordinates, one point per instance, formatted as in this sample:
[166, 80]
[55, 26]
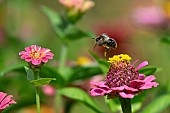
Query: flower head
[123, 79]
[5, 101]
[77, 5]
[36, 55]
[119, 58]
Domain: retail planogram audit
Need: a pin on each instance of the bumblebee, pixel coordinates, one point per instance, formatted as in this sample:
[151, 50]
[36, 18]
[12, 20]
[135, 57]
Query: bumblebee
[107, 42]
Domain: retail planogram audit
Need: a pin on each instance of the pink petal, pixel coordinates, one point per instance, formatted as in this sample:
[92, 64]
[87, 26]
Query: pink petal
[97, 92]
[48, 53]
[44, 59]
[28, 59]
[130, 88]
[136, 83]
[37, 48]
[155, 84]
[149, 85]
[99, 84]
[6, 102]
[33, 47]
[12, 102]
[141, 65]
[22, 53]
[43, 49]
[134, 63]
[49, 56]
[124, 95]
[141, 76]
[36, 62]
[149, 78]
[118, 88]
[23, 56]
[28, 49]
[2, 95]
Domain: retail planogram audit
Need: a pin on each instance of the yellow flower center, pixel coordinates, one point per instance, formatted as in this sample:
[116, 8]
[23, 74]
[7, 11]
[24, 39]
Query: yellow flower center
[37, 54]
[119, 58]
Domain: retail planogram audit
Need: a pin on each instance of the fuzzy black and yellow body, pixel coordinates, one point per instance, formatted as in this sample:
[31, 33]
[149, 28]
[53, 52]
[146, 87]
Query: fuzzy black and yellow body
[107, 42]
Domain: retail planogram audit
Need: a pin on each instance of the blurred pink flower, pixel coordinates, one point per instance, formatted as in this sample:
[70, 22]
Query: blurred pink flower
[71, 3]
[5, 101]
[36, 55]
[96, 78]
[123, 79]
[148, 15]
[48, 90]
[78, 5]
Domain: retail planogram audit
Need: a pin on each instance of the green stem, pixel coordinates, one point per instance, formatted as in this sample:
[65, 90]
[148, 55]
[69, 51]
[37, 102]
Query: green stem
[36, 75]
[63, 56]
[125, 104]
[59, 103]
[37, 99]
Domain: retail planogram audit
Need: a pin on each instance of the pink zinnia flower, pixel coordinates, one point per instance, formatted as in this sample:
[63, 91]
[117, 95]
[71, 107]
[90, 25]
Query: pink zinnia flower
[36, 55]
[123, 79]
[5, 101]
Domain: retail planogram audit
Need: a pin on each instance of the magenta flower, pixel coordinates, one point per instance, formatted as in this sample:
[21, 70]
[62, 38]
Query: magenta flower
[36, 55]
[123, 79]
[5, 101]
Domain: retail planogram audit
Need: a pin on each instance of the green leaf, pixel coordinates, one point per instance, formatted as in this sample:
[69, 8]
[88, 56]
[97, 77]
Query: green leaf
[56, 21]
[81, 96]
[12, 68]
[74, 33]
[42, 81]
[158, 104]
[136, 107]
[30, 73]
[104, 65]
[165, 39]
[149, 70]
[48, 72]
[83, 72]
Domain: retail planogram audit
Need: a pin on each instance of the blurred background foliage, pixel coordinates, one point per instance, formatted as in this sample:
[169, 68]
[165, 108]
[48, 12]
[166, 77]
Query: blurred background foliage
[22, 23]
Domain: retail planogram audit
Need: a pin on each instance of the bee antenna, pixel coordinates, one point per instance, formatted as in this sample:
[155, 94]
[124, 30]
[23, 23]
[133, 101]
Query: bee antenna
[93, 38]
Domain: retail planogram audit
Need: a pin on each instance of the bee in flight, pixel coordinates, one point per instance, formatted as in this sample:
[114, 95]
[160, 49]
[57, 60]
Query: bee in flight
[107, 42]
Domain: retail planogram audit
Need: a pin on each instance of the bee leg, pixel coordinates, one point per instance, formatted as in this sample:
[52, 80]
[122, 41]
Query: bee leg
[106, 51]
[94, 47]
